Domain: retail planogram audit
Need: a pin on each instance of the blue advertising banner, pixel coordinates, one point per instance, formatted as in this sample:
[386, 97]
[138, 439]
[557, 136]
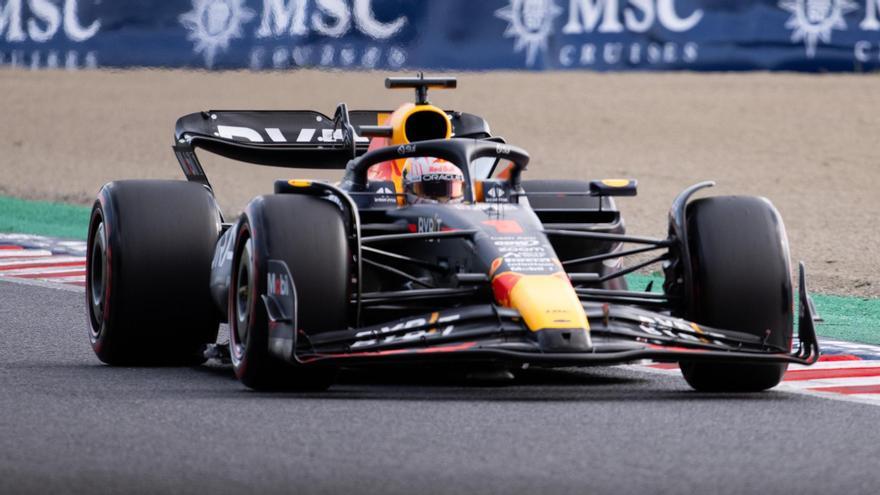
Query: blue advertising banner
[807, 35]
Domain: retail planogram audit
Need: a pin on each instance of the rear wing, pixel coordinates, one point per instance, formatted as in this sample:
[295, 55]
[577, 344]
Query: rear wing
[292, 139]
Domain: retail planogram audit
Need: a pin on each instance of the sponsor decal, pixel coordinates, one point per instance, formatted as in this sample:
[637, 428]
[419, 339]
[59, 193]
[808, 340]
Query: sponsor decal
[441, 176]
[277, 284]
[502, 149]
[385, 195]
[275, 135]
[236, 133]
[213, 24]
[515, 242]
[44, 22]
[406, 148]
[429, 224]
[190, 164]
[676, 328]
[289, 21]
[814, 20]
[391, 34]
[224, 249]
[380, 336]
[532, 22]
[279, 33]
[526, 254]
[496, 194]
[532, 264]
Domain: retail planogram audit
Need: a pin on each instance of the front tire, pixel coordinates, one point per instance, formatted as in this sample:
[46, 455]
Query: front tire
[310, 236]
[742, 282]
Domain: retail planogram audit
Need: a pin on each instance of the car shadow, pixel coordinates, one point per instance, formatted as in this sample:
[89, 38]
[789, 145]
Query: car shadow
[215, 381]
[607, 384]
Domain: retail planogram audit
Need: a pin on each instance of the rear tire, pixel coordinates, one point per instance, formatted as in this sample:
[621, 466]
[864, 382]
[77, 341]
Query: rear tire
[150, 245]
[742, 282]
[308, 234]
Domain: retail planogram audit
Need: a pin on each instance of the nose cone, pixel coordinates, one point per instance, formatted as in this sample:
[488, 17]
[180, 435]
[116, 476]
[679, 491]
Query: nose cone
[549, 306]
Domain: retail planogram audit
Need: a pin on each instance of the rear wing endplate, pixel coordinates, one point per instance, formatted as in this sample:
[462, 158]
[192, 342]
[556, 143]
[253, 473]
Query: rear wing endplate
[296, 139]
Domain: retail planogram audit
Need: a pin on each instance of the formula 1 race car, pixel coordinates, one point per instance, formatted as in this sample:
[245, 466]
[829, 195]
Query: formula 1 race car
[431, 250]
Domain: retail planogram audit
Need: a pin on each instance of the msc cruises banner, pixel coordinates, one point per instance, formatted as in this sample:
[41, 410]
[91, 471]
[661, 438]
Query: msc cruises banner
[809, 35]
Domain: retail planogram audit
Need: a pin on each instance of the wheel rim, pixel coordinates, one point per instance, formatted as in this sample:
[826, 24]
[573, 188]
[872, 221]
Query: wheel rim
[98, 278]
[243, 301]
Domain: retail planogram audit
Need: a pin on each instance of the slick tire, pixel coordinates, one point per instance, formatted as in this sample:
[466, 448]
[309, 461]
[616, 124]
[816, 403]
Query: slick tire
[309, 234]
[742, 282]
[148, 264]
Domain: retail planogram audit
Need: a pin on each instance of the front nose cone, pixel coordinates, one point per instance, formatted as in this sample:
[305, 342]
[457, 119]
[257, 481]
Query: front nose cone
[564, 340]
[550, 308]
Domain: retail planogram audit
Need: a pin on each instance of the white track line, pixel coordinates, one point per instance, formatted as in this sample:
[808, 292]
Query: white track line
[66, 280]
[23, 253]
[831, 365]
[45, 270]
[12, 264]
[856, 381]
[851, 347]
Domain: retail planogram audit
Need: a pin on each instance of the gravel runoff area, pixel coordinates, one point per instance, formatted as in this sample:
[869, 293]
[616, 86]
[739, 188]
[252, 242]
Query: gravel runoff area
[807, 142]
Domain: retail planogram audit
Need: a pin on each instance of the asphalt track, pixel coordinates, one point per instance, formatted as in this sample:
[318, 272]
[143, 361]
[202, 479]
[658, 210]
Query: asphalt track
[72, 425]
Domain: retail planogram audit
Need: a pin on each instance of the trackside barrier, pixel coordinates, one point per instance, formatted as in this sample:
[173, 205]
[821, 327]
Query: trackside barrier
[800, 35]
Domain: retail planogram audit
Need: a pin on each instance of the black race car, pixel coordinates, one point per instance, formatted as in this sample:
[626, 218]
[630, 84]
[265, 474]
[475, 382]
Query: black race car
[517, 273]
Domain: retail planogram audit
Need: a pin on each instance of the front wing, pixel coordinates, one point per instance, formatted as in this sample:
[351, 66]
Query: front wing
[490, 333]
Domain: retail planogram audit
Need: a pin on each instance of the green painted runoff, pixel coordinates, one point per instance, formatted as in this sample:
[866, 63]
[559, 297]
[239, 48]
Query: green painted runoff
[43, 218]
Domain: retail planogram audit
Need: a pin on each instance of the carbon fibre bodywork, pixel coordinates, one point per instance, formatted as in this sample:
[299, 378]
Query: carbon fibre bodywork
[439, 293]
[491, 279]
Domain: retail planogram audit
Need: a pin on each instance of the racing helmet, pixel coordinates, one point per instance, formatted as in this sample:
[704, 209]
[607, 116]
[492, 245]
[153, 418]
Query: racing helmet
[432, 180]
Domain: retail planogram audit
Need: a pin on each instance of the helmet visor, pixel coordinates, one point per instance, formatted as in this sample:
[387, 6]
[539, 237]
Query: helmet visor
[442, 189]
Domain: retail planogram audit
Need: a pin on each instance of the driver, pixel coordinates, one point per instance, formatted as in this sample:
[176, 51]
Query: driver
[432, 180]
